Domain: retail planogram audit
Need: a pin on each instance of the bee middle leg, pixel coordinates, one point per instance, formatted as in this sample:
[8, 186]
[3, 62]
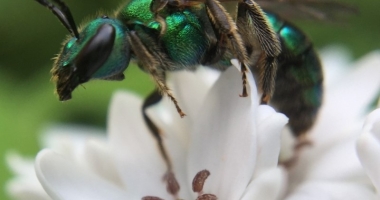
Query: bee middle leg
[250, 14]
[227, 30]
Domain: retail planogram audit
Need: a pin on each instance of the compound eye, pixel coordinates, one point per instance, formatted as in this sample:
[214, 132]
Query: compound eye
[95, 53]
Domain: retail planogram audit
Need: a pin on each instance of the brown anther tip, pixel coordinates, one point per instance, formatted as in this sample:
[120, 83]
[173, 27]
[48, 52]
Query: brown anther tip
[151, 198]
[207, 197]
[172, 185]
[199, 180]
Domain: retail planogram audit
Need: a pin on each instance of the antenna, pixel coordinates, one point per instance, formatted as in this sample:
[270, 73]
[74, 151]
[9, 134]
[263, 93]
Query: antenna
[64, 15]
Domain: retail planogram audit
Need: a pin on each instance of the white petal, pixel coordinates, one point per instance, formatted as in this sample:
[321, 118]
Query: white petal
[25, 186]
[368, 148]
[345, 103]
[287, 144]
[270, 125]
[372, 123]
[64, 180]
[268, 185]
[139, 162]
[99, 159]
[25, 189]
[69, 140]
[327, 190]
[191, 88]
[19, 165]
[335, 61]
[223, 140]
[338, 163]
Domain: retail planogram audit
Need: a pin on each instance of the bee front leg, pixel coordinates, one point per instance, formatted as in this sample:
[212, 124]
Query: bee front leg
[150, 63]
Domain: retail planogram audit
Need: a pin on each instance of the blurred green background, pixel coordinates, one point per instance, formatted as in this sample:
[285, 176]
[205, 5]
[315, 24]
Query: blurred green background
[30, 36]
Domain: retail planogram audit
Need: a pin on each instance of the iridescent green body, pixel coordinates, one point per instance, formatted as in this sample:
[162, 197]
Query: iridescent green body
[299, 81]
[185, 40]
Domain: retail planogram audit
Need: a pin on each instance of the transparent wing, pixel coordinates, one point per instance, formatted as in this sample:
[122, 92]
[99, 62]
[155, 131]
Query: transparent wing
[326, 10]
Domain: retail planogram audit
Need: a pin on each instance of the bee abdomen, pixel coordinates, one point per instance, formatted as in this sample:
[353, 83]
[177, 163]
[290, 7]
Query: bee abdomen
[299, 81]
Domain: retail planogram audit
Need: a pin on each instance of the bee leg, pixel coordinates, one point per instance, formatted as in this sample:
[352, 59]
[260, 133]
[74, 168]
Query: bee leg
[217, 50]
[153, 99]
[269, 43]
[169, 177]
[151, 64]
[227, 28]
[155, 7]
[268, 70]
[63, 13]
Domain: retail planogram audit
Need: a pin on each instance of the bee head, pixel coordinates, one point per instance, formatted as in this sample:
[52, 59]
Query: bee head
[100, 51]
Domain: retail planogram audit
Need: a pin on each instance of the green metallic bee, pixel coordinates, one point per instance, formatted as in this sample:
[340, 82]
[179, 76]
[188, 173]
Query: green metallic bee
[162, 36]
[170, 35]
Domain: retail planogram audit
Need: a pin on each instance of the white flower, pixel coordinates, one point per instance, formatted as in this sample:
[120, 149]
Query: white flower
[233, 138]
[63, 139]
[25, 184]
[330, 168]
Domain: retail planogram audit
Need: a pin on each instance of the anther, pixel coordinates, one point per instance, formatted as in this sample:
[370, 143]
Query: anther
[151, 198]
[207, 197]
[172, 185]
[199, 180]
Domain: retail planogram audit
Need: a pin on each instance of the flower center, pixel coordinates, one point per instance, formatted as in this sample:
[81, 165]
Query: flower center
[198, 182]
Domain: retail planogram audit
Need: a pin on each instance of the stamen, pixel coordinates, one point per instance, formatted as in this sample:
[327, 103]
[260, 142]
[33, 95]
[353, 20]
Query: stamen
[199, 180]
[151, 198]
[207, 197]
[172, 185]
